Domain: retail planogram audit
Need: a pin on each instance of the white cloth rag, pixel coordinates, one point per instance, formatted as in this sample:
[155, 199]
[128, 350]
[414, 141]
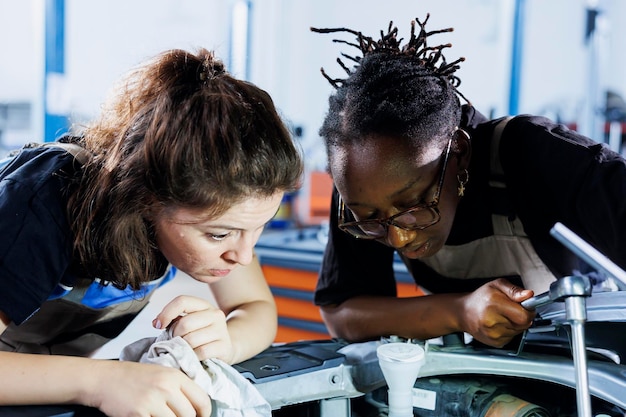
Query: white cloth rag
[232, 394]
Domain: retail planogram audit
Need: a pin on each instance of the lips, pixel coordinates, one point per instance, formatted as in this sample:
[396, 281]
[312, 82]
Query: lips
[219, 272]
[417, 251]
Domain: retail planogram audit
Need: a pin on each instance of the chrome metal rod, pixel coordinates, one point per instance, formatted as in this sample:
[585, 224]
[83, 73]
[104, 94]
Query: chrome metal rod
[588, 253]
[576, 315]
[583, 397]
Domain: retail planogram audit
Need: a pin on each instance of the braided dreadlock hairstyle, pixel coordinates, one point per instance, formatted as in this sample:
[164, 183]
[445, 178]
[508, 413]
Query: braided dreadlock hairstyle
[396, 91]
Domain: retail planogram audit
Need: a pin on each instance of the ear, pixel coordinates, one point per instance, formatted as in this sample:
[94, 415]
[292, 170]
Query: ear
[462, 148]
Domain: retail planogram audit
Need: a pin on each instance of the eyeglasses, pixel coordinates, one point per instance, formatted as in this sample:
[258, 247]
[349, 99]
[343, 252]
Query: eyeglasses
[418, 217]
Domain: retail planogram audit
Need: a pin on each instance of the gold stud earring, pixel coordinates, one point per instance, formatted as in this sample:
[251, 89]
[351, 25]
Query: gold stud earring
[462, 178]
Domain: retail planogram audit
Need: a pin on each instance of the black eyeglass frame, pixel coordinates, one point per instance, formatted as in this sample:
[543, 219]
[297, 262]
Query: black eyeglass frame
[432, 206]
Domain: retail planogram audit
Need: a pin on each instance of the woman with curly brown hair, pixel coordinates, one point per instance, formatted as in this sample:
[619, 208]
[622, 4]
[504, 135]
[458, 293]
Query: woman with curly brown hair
[182, 171]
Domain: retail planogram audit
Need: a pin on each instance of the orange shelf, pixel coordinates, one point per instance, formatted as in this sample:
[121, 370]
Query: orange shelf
[298, 309]
[408, 290]
[321, 194]
[289, 278]
[288, 334]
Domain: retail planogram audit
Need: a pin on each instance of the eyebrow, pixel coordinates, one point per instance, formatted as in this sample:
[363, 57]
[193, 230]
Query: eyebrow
[225, 227]
[395, 194]
[407, 187]
[411, 184]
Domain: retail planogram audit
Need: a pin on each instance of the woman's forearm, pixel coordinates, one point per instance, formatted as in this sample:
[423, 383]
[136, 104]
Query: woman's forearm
[117, 388]
[45, 379]
[370, 317]
[492, 314]
[252, 328]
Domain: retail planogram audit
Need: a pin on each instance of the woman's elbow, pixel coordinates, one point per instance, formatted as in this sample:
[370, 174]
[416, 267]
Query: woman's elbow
[338, 324]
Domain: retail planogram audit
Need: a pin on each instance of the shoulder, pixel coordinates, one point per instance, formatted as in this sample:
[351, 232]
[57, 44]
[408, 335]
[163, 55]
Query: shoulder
[35, 183]
[537, 140]
[37, 167]
[538, 128]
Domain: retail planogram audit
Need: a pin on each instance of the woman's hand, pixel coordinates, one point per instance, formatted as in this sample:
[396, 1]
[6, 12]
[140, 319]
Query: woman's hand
[493, 314]
[124, 389]
[202, 325]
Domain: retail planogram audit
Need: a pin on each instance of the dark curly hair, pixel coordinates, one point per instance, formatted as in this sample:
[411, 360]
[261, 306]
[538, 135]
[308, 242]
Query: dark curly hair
[394, 90]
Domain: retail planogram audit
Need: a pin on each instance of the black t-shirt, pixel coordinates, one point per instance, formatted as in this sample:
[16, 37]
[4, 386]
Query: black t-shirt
[552, 174]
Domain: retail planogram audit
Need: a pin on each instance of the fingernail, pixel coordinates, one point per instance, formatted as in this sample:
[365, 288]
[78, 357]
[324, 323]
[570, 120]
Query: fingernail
[157, 324]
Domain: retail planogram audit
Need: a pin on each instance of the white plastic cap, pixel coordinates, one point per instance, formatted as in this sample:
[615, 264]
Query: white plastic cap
[400, 352]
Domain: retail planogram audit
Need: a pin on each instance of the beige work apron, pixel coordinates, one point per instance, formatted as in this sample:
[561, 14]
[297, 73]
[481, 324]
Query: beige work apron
[508, 252]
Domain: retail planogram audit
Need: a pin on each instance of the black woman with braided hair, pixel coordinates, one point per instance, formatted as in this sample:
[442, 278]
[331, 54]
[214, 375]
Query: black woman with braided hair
[466, 202]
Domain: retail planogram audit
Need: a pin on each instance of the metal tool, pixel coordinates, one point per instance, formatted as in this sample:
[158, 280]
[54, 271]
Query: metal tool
[573, 290]
[589, 254]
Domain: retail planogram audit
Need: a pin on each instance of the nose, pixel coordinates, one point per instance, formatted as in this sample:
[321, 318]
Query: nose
[242, 252]
[398, 237]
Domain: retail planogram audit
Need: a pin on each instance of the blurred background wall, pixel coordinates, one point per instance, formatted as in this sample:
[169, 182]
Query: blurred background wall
[522, 56]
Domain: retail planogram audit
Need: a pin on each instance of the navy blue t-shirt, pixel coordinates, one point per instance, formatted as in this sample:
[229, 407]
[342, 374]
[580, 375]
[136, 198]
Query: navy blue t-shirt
[36, 243]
